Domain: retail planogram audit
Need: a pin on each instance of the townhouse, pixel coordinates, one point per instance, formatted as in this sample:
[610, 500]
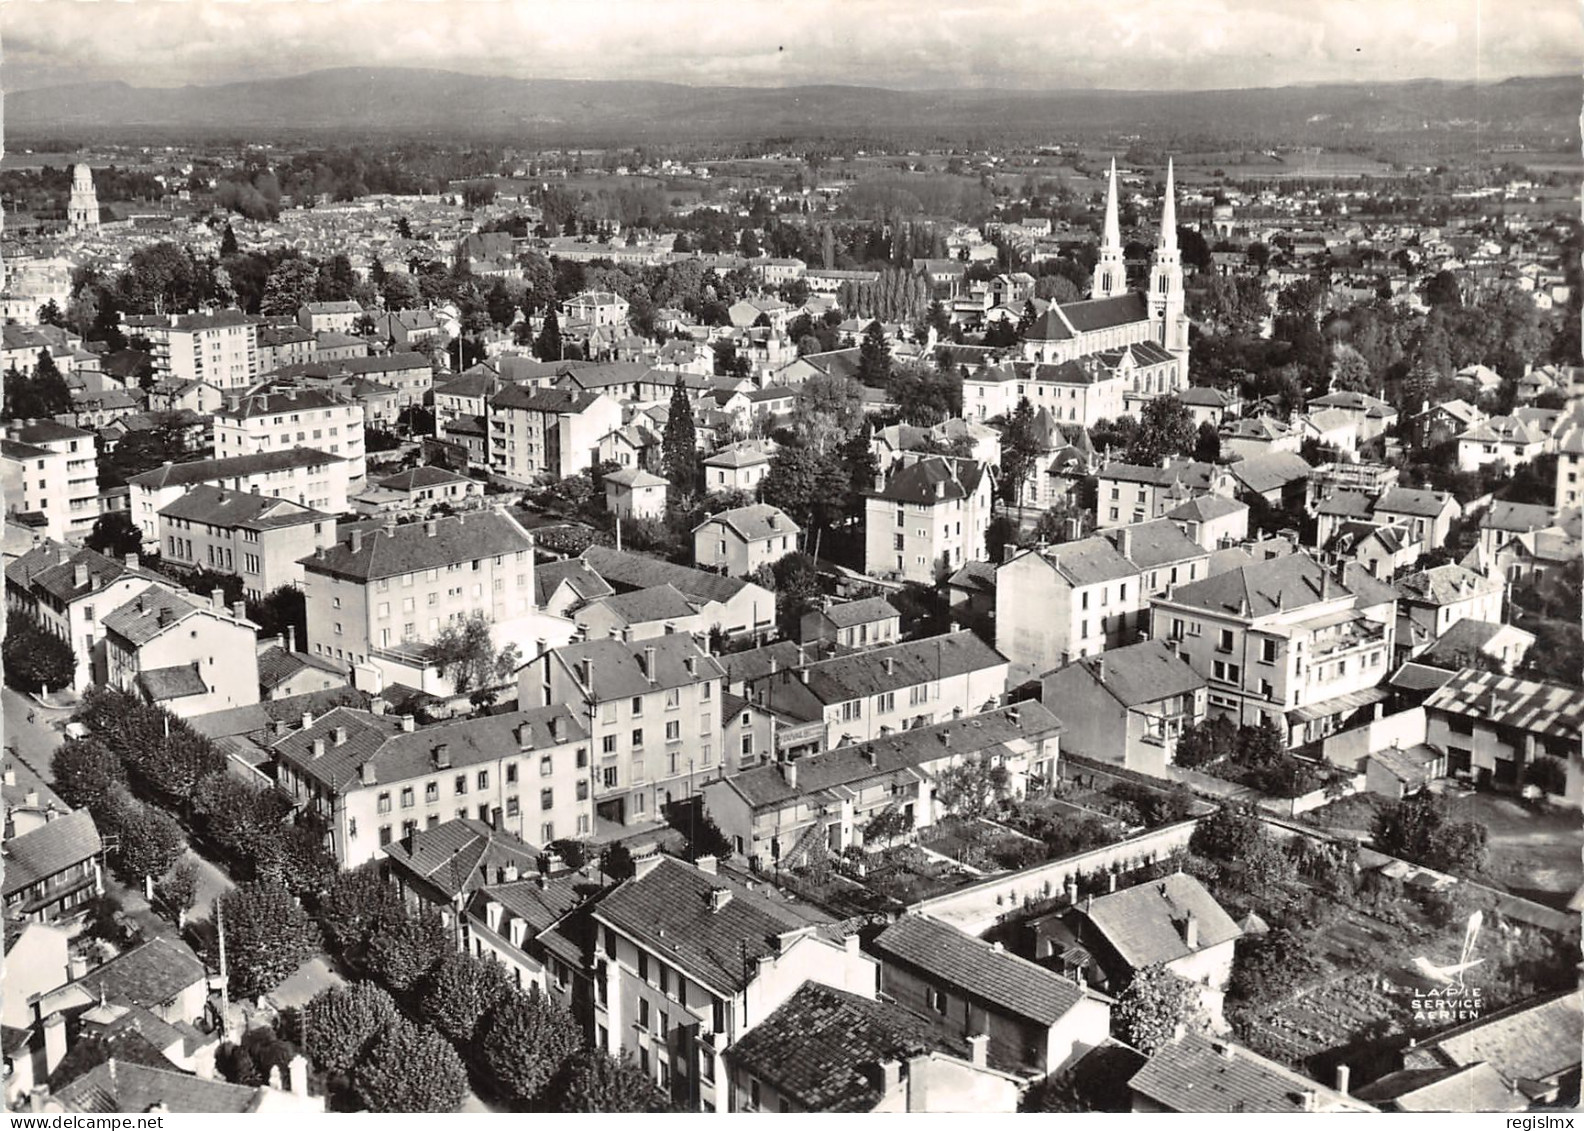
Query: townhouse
[869, 621]
[1083, 392]
[279, 346]
[259, 538]
[1059, 603]
[276, 419]
[395, 587]
[1500, 439]
[652, 711]
[189, 656]
[1128, 705]
[305, 476]
[738, 541]
[1284, 642]
[340, 317]
[1367, 416]
[52, 873]
[1502, 521]
[1425, 515]
[686, 961]
[633, 492]
[1133, 493]
[731, 606]
[70, 591]
[1432, 600]
[556, 432]
[639, 614]
[926, 517]
[508, 918]
[872, 794]
[868, 695]
[375, 779]
[1493, 727]
[65, 488]
[1570, 460]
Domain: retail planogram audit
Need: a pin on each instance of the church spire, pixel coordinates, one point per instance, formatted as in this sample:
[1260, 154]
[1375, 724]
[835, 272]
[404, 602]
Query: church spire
[1168, 232]
[1113, 226]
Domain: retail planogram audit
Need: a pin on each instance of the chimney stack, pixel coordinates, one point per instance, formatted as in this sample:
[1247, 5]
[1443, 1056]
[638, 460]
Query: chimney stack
[719, 898]
[1343, 1078]
[979, 1049]
[789, 774]
[1124, 543]
[339, 736]
[649, 665]
[429, 527]
[646, 858]
[707, 864]
[239, 610]
[297, 1074]
[54, 1041]
[355, 541]
[1191, 931]
[318, 747]
[133, 561]
[291, 638]
[408, 724]
[307, 720]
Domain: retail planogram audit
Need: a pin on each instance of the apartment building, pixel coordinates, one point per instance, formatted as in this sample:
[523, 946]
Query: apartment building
[1055, 604]
[400, 584]
[220, 348]
[260, 539]
[686, 961]
[1283, 641]
[868, 695]
[1129, 492]
[1425, 515]
[852, 624]
[653, 711]
[732, 606]
[69, 496]
[1569, 437]
[305, 476]
[70, 592]
[33, 482]
[556, 432]
[1433, 600]
[408, 377]
[926, 517]
[1127, 705]
[276, 419]
[1501, 439]
[739, 541]
[375, 778]
[191, 657]
[1083, 391]
[340, 317]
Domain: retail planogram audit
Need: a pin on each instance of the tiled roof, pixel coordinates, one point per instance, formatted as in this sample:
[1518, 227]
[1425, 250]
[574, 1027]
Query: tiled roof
[1088, 561]
[44, 431]
[1155, 543]
[618, 667]
[847, 614]
[125, 1086]
[817, 1044]
[766, 786]
[1457, 647]
[1145, 922]
[752, 663]
[626, 570]
[1146, 672]
[1195, 1074]
[283, 400]
[1519, 518]
[1445, 584]
[217, 506]
[754, 522]
[669, 911]
[416, 478]
[1413, 501]
[151, 974]
[1501, 430]
[1536, 1040]
[397, 755]
[61, 843]
[644, 606]
[460, 856]
[526, 398]
[52, 567]
[16, 450]
[906, 664]
[1346, 504]
[178, 682]
[1479, 1087]
[1268, 472]
[1522, 704]
[738, 455]
[978, 970]
[148, 615]
[575, 572]
[932, 480]
[1190, 474]
[1265, 587]
[539, 904]
[635, 477]
[1205, 508]
[405, 549]
[208, 470]
[257, 718]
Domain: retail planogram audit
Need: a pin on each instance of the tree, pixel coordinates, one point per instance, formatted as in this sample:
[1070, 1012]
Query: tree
[1155, 1002]
[874, 357]
[971, 788]
[459, 991]
[525, 1041]
[1547, 774]
[547, 346]
[338, 1023]
[1350, 373]
[680, 445]
[228, 242]
[147, 841]
[1207, 443]
[405, 1068]
[1441, 289]
[1019, 449]
[1206, 742]
[38, 395]
[593, 1081]
[616, 862]
[84, 770]
[464, 653]
[1419, 828]
[1260, 745]
[179, 887]
[291, 285]
[358, 903]
[828, 409]
[402, 951]
[1267, 969]
[268, 936]
[115, 535]
[35, 658]
[1166, 428]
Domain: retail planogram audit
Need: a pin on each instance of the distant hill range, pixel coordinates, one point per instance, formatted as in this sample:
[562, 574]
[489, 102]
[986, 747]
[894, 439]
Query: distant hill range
[419, 102]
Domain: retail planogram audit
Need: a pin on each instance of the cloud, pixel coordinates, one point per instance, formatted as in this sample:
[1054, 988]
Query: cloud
[1031, 44]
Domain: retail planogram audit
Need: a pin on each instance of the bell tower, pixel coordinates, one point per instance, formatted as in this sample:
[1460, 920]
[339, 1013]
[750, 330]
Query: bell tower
[1166, 301]
[1110, 273]
[82, 211]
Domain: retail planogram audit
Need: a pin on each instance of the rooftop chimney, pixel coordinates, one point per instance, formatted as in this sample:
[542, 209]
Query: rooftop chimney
[719, 898]
[1343, 1078]
[408, 724]
[789, 774]
[133, 561]
[707, 864]
[1124, 543]
[291, 638]
[307, 720]
[979, 1049]
[297, 1074]
[217, 599]
[646, 858]
[239, 610]
[318, 747]
[649, 664]
[429, 527]
[339, 736]
[1191, 931]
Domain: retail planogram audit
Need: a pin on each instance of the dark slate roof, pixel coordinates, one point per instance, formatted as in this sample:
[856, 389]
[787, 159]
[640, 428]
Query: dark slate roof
[276, 665]
[1189, 473]
[398, 550]
[1146, 672]
[760, 520]
[911, 662]
[766, 786]
[44, 431]
[644, 606]
[45, 568]
[625, 570]
[1412, 501]
[752, 663]
[978, 970]
[1156, 543]
[1194, 1074]
[1145, 922]
[1457, 646]
[177, 682]
[400, 756]
[139, 620]
[1262, 588]
[208, 470]
[257, 717]
[847, 614]
[50, 849]
[1104, 313]
[816, 1046]
[217, 506]
[272, 401]
[1478, 1087]
[1346, 504]
[932, 480]
[527, 398]
[1088, 561]
[128, 1087]
[618, 666]
[1445, 584]
[535, 903]
[576, 572]
[669, 911]
[150, 974]
[460, 856]
[1534, 1040]
[416, 478]
[1268, 472]
[1519, 517]
[1205, 508]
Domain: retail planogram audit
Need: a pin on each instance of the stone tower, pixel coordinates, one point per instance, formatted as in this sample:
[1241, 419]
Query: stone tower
[83, 210]
[1166, 302]
[1110, 273]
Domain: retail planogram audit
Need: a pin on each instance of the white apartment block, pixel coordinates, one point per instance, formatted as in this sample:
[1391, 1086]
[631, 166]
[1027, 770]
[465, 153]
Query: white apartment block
[275, 420]
[927, 517]
[33, 481]
[309, 478]
[221, 349]
[67, 495]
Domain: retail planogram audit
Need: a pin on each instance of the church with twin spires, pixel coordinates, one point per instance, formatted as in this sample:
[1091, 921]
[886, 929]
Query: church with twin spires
[1108, 354]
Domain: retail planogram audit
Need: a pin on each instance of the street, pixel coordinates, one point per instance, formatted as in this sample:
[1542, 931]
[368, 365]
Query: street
[34, 742]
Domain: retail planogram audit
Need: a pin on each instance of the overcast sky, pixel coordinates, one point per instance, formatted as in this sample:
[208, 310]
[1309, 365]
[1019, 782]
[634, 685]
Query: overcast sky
[1036, 44]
